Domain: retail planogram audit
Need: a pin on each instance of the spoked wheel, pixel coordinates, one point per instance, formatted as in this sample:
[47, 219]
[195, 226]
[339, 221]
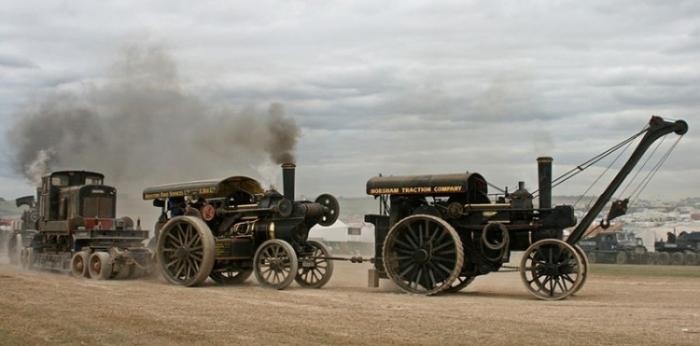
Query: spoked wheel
[551, 269]
[100, 265]
[460, 283]
[586, 266]
[315, 272]
[423, 254]
[185, 251]
[275, 264]
[231, 277]
[79, 264]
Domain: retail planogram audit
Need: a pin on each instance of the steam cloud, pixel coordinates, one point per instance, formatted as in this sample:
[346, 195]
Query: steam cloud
[141, 128]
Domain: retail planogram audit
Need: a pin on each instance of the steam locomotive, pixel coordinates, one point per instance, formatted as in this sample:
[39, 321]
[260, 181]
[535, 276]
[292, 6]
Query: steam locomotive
[227, 229]
[71, 226]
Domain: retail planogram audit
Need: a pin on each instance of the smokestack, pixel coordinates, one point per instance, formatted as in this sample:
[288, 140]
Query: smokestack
[544, 174]
[288, 180]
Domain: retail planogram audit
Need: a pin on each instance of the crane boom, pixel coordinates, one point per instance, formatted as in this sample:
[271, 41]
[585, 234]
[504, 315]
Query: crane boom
[658, 127]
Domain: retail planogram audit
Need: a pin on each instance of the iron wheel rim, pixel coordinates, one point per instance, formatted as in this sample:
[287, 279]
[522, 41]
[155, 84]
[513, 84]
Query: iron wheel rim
[551, 269]
[423, 254]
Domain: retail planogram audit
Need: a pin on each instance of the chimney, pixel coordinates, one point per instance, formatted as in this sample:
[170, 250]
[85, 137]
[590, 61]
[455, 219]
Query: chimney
[288, 180]
[544, 174]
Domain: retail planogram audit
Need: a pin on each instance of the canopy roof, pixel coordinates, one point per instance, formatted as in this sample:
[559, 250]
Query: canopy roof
[437, 184]
[205, 189]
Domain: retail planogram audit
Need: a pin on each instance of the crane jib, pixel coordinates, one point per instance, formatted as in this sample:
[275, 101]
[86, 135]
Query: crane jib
[658, 128]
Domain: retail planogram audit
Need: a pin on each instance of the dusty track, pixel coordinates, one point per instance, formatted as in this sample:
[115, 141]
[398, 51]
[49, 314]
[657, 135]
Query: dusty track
[40, 308]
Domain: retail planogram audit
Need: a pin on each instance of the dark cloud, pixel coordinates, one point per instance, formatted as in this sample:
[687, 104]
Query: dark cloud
[10, 61]
[414, 87]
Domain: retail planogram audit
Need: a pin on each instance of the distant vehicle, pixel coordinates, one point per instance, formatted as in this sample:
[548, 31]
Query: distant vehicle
[683, 249]
[71, 227]
[621, 247]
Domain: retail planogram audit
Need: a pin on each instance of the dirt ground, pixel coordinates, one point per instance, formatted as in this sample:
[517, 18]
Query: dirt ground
[618, 305]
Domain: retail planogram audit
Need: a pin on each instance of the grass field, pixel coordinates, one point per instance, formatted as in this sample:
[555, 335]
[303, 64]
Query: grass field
[645, 270]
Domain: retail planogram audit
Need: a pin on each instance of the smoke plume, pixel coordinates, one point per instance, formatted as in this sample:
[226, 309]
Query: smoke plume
[140, 127]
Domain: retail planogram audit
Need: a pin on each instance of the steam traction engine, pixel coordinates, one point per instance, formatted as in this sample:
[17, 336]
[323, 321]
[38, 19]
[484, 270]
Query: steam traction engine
[438, 232]
[227, 229]
[72, 227]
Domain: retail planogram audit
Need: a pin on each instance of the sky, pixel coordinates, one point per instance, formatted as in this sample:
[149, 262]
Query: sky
[405, 87]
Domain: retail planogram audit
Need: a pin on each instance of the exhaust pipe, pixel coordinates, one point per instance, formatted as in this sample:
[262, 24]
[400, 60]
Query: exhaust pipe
[288, 180]
[544, 174]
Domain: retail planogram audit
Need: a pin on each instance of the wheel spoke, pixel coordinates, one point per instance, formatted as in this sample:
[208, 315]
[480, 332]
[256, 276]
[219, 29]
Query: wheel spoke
[174, 239]
[403, 273]
[408, 236]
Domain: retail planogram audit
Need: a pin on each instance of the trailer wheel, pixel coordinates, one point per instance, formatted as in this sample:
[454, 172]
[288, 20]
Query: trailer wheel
[275, 264]
[186, 251]
[79, 264]
[677, 259]
[423, 254]
[551, 269]
[621, 258]
[231, 277]
[664, 259]
[460, 283]
[315, 272]
[100, 265]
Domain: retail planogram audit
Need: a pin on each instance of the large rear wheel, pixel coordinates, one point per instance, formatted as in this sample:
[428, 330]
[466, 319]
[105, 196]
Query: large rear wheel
[460, 283]
[423, 254]
[186, 251]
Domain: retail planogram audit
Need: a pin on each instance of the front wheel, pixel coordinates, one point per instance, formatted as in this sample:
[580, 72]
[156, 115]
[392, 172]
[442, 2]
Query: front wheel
[551, 269]
[275, 264]
[231, 277]
[315, 270]
[586, 266]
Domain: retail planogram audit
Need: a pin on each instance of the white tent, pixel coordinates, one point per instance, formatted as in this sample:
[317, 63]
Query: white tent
[342, 232]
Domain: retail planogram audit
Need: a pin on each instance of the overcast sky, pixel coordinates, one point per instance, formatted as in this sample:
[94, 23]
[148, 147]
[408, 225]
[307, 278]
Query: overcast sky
[400, 88]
